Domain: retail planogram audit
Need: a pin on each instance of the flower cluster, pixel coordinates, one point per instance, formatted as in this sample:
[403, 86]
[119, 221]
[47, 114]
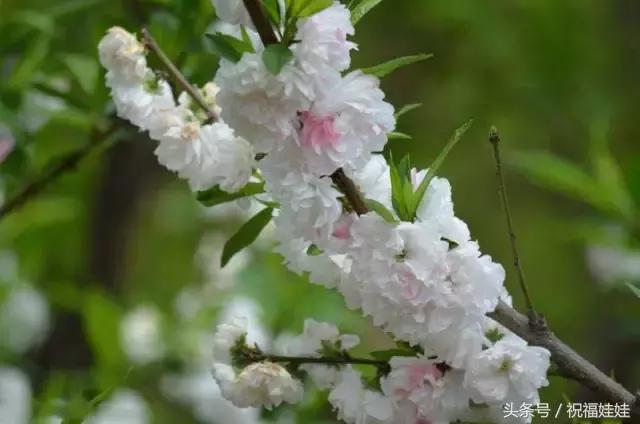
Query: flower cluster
[205, 154]
[422, 279]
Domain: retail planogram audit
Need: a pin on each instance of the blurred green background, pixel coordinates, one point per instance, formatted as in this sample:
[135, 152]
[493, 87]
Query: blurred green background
[560, 80]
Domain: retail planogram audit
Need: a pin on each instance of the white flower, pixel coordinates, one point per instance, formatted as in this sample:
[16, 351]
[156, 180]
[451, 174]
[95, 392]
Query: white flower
[123, 55]
[206, 156]
[15, 396]
[260, 106]
[227, 335]
[323, 40]
[24, 319]
[508, 369]
[140, 102]
[123, 407]
[357, 405]
[374, 181]
[141, 335]
[232, 11]
[347, 121]
[197, 390]
[264, 384]
[425, 390]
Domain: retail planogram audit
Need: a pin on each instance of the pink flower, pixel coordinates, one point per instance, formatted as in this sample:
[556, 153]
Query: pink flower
[318, 132]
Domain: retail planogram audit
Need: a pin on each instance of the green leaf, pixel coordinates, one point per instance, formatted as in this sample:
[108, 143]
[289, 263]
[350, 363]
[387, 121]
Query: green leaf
[102, 325]
[400, 186]
[216, 196]
[381, 210]
[406, 109]
[273, 10]
[384, 69]
[229, 47]
[303, 8]
[362, 9]
[311, 7]
[246, 235]
[84, 69]
[275, 57]
[556, 174]
[395, 135]
[435, 165]
[634, 289]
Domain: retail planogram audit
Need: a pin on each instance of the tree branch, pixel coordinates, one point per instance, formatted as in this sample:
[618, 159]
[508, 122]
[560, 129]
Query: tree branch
[299, 360]
[569, 361]
[67, 163]
[261, 22]
[173, 70]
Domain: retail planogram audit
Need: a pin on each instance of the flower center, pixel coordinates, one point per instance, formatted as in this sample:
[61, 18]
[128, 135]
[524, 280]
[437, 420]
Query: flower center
[318, 132]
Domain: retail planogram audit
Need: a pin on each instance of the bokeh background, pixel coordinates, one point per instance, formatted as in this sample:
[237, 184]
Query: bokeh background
[109, 279]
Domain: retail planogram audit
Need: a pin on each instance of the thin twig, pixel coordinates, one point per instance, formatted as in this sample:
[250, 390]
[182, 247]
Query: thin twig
[298, 360]
[151, 44]
[67, 163]
[494, 138]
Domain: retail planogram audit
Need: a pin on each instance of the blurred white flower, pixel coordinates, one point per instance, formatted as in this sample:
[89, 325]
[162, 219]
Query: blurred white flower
[610, 265]
[141, 335]
[24, 319]
[15, 396]
[125, 406]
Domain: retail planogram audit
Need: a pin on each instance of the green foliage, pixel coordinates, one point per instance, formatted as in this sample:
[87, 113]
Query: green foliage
[386, 68]
[406, 109]
[246, 235]
[405, 200]
[396, 135]
[102, 317]
[304, 8]
[362, 8]
[217, 196]
[275, 57]
[634, 289]
[228, 47]
[380, 209]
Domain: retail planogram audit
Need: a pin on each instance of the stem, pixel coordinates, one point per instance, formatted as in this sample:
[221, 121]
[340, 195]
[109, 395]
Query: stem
[299, 360]
[151, 44]
[65, 164]
[261, 22]
[494, 138]
[350, 191]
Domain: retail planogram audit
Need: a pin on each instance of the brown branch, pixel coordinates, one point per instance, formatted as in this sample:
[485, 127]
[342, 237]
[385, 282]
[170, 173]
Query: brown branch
[569, 362]
[261, 22]
[173, 70]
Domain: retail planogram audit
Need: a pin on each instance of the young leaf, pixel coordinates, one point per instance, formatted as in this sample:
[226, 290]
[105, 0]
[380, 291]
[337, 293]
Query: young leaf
[84, 69]
[273, 10]
[398, 136]
[406, 109]
[400, 186]
[246, 235]
[275, 57]
[362, 9]
[314, 6]
[101, 321]
[381, 210]
[216, 196]
[229, 47]
[554, 173]
[384, 69]
[634, 289]
[422, 188]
